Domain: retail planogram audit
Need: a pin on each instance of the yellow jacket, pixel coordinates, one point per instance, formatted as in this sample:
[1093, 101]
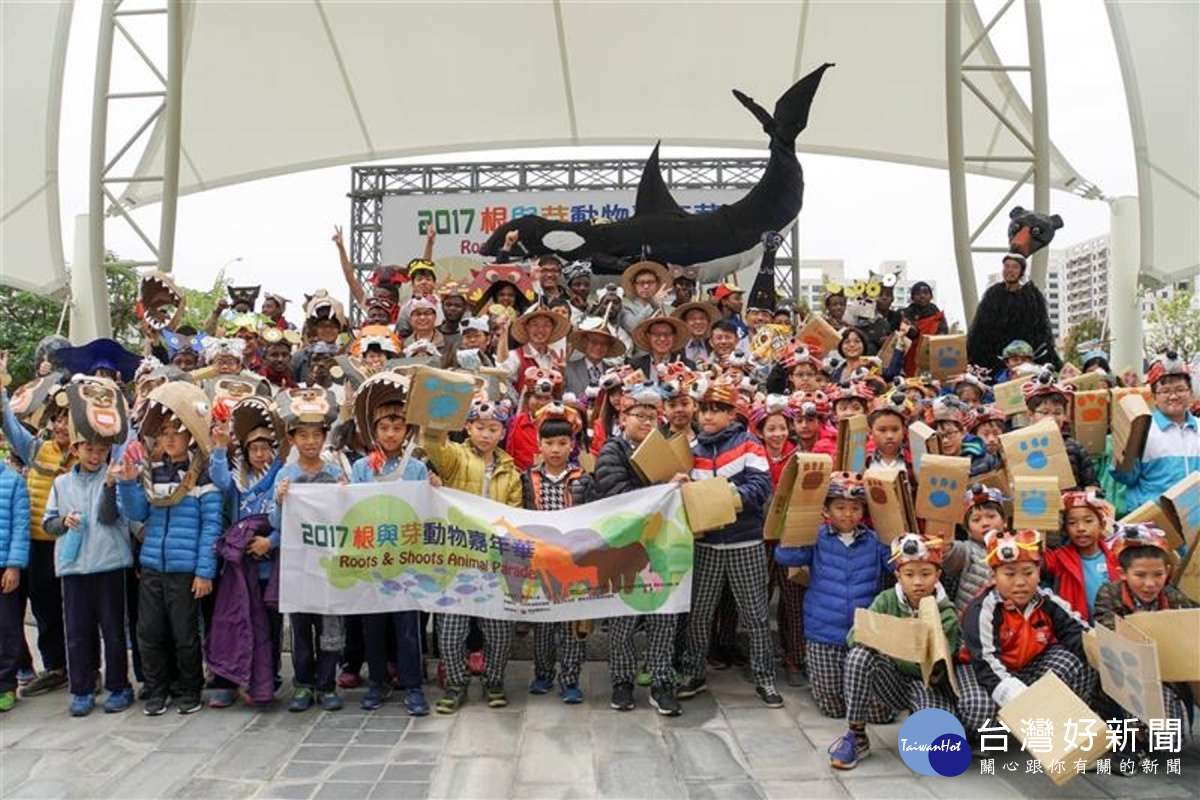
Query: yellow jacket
[48, 464]
[461, 467]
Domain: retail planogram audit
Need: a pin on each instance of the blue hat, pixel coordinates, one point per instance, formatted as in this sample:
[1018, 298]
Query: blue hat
[101, 354]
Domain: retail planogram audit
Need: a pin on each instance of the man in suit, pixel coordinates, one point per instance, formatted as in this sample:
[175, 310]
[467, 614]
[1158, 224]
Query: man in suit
[597, 342]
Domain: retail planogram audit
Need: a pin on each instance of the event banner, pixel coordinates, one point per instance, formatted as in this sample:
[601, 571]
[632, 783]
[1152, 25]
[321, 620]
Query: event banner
[400, 545]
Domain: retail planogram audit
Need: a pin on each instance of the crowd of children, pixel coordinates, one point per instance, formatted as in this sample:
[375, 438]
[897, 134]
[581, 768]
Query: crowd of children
[143, 496]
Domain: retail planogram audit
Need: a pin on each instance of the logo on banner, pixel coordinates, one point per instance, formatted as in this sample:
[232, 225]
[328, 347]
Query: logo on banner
[933, 742]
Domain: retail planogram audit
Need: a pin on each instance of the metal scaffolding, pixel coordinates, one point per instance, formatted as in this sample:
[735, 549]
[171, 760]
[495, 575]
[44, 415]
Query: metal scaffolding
[369, 185]
[111, 172]
[958, 84]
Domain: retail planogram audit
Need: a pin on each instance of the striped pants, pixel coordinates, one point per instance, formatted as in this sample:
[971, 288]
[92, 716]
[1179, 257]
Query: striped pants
[826, 670]
[871, 677]
[790, 614]
[746, 570]
[452, 630]
[660, 635]
[976, 706]
[557, 642]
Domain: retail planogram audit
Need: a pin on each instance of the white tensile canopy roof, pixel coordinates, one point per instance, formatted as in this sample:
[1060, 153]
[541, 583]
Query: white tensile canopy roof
[274, 88]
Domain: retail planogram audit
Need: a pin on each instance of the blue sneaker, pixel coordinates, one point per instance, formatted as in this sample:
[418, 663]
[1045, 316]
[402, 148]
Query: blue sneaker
[540, 685]
[302, 699]
[330, 701]
[847, 751]
[82, 704]
[572, 694]
[415, 702]
[118, 701]
[373, 699]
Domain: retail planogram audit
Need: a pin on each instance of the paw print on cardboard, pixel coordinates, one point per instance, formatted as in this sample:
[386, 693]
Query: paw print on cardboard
[1035, 452]
[1120, 669]
[943, 491]
[812, 476]
[1032, 501]
[947, 356]
[876, 491]
[1091, 407]
[446, 399]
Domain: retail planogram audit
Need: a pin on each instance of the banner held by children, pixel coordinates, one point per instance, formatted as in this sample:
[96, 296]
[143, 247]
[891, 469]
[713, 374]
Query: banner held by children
[397, 546]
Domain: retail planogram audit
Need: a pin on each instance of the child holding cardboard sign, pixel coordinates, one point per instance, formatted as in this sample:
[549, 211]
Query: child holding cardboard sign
[1172, 450]
[477, 466]
[967, 559]
[872, 676]
[848, 563]
[1016, 632]
[1047, 399]
[1084, 563]
[1146, 561]
[640, 405]
[735, 552]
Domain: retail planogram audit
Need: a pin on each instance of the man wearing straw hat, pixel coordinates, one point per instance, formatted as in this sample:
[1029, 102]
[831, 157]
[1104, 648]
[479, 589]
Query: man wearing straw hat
[535, 330]
[597, 342]
[661, 339]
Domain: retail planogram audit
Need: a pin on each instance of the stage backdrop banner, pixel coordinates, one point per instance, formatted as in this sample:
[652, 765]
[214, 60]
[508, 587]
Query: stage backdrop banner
[400, 545]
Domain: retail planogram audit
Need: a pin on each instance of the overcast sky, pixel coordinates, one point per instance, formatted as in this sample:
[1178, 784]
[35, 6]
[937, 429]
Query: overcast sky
[861, 211]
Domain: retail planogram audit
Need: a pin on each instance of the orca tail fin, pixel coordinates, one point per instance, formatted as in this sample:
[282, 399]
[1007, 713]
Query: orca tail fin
[760, 113]
[791, 110]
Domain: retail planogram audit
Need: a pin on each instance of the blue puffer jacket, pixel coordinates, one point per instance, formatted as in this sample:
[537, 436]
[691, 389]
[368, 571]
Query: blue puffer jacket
[738, 457]
[843, 579]
[180, 537]
[14, 519]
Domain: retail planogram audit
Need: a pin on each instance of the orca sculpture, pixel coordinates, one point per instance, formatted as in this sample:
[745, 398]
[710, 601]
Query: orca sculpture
[718, 241]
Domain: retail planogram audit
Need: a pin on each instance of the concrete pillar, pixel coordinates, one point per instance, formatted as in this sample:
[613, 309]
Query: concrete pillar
[1124, 298]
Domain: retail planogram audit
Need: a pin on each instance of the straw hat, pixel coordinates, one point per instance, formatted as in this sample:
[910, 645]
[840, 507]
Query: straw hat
[641, 333]
[562, 325]
[596, 325]
[709, 309]
[660, 272]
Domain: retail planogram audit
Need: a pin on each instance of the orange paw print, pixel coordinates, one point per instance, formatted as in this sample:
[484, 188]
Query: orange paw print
[1092, 407]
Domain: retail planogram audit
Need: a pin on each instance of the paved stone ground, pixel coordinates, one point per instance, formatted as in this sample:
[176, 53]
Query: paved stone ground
[726, 745]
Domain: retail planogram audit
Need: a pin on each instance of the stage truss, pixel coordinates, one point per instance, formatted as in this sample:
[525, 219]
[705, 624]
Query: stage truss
[369, 185]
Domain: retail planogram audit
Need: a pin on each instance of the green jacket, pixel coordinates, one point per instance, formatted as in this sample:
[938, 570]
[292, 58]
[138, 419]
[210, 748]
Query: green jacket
[888, 602]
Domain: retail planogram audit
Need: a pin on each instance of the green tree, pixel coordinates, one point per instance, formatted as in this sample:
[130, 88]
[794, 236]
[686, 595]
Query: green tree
[201, 302]
[1087, 330]
[1174, 325]
[27, 318]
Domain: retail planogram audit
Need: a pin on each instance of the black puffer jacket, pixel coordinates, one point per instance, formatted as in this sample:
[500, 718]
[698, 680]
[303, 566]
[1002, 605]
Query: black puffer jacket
[1081, 463]
[614, 473]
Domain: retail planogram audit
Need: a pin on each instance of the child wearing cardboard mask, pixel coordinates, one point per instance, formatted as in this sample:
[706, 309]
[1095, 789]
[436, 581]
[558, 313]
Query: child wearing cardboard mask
[871, 675]
[848, 563]
[1016, 632]
[966, 560]
[1084, 562]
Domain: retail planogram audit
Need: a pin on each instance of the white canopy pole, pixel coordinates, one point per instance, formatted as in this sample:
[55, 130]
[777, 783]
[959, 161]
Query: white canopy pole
[1124, 300]
[89, 290]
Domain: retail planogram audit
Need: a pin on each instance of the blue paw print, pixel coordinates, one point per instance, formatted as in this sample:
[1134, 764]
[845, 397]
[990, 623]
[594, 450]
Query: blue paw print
[446, 398]
[940, 496]
[947, 356]
[1031, 501]
[1036, 458]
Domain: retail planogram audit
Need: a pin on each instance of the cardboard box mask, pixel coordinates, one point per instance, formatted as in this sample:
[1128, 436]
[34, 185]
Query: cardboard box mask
[1155, 513]
[852, 444]
[1176, 637]
[806, 506]
[1128, 665]
[1051, 699]
[1037, 451]
[1010, 400]
[658, 459]
[818, 332]
[1089, 420]
[890, 502]
[709, 504]
[942, 487]
[1182, 504]
[947, 355]
[1130, 424]
[1036, 503]
[922, 439]
[440, 399]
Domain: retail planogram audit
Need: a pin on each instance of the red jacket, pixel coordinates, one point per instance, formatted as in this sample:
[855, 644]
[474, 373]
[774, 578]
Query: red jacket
[1066, 566]
[826, 442]
[778, 465]
[522, 443]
